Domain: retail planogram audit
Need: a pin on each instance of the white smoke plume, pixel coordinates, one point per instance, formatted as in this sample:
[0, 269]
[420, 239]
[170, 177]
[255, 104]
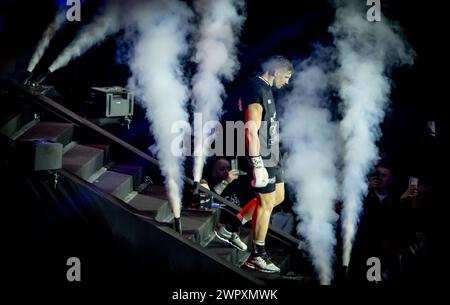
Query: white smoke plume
[366, 53]
[46, 38]
[103, 25]
[157, 79]
[215, 54]
[311, 138]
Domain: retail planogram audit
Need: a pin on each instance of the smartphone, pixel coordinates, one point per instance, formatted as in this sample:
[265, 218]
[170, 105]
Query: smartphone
[234, 164]
[413, 181]
[431, 128]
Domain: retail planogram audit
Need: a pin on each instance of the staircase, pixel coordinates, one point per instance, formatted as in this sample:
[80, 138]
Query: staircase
[91, 162]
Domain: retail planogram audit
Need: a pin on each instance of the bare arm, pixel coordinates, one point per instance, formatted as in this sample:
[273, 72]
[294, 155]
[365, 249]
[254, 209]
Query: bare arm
[253, 116]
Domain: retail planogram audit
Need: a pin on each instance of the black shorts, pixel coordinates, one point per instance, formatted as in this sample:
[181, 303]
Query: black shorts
[275, 176]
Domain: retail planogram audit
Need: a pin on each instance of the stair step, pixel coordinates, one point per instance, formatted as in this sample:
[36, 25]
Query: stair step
[24, 129]
[158, 191]
[57, 132]
[130, 196]
[283, 277]
[165, 214]
[229, 253]
[97, 174]
[280, 257]
[14, 121]
[152, 206]
[238, 258]
[201, 224]
[105, 147]
[133, 170]
[83, 160]
[117, 184]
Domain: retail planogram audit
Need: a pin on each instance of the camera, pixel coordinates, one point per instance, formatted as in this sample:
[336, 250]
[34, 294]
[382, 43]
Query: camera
[234, 164]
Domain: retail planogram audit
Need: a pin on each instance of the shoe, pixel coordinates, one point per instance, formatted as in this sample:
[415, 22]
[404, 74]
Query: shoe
[231, 238]
[261, 263]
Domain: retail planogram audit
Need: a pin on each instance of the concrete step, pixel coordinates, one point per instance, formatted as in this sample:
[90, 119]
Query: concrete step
[156, 190]
[199, 225]
[57, 132]
[116, 184]
[105, 147]
[13, 120]
[152, 206]
[133, 170]
[83, 160]
[288, 277]
[164, 214]
[229, 253]
[280, 256]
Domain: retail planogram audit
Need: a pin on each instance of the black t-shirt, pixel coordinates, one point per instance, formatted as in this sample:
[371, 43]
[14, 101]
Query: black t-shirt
[237, 191]
[259, 91]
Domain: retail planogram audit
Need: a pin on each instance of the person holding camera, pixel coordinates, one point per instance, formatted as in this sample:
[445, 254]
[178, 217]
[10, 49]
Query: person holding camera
[222, 175]
[226, 181]
[378, 226]
[418, 229]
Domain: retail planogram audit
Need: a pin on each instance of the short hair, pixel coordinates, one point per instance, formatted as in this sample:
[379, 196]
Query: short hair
[276, 62]
[385, 163]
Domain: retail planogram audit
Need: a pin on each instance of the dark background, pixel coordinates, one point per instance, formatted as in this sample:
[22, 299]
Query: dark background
[289, 28]
[285, 27]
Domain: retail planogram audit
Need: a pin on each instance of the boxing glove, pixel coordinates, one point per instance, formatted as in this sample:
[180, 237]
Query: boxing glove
[260, 175]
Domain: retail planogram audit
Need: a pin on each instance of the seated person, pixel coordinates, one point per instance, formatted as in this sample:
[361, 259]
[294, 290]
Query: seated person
[225, 181]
